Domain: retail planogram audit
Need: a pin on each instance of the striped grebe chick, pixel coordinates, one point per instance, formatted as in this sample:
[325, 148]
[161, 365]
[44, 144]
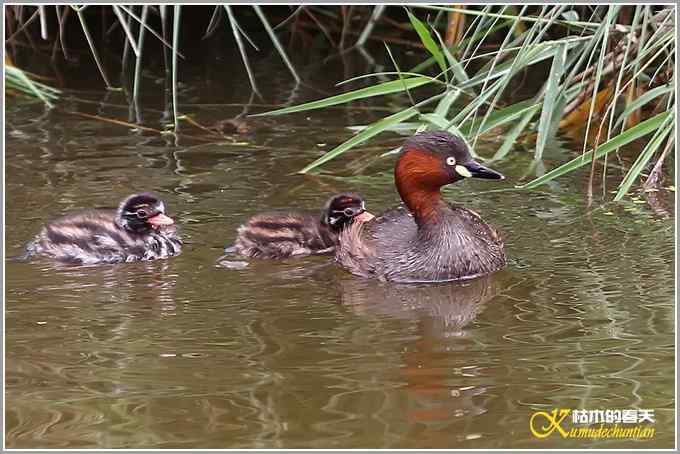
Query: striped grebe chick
[293, 234]
[138, 230]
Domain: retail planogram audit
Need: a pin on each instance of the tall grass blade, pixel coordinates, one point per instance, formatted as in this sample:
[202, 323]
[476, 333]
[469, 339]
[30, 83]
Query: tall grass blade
[126, 29]
[162, 10]
[615, 99]
[43, 22]
[276, 42]
[382, 74]
[447, 101]
[375, 17]
[551, 94]
[458, 71]
[499, 87]
[643, 159]
[401, 127]
[482, 30]
[580, 24]
[245, 35]
[499, 117]
[535, 54]
[241, 47]
[214, 22]
[642, 100]
[427, 41]
[401, 77]
[93, 50]
[470, 40]
[598, 72]
[512, 135]
[384, 88]
[175, 45]
[639, 130]
[138, 62]
[371, 131]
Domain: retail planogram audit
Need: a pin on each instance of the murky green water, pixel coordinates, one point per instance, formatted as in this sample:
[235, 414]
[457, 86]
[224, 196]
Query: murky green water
[181, 353]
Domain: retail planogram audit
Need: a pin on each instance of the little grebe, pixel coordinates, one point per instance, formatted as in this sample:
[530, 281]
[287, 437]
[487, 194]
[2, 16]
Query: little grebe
[137, 230]
[282, 235]
[428, 240]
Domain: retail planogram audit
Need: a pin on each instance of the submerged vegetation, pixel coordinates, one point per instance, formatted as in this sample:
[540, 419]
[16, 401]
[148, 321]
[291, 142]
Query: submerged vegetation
[609, 71]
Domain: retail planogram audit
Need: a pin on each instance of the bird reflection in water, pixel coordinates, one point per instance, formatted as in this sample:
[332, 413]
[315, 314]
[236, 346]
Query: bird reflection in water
[151, 283]
[441, 382]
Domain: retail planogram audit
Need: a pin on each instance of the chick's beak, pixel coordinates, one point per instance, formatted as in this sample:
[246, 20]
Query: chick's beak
[365, 216]
[479, 171]
[159, 220]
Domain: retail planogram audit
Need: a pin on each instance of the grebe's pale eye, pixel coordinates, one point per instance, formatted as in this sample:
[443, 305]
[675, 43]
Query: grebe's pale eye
[348, 212]
[142, 214]
[451, 161]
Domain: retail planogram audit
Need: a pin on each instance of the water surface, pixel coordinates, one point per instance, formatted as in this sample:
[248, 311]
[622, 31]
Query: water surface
[298, 354]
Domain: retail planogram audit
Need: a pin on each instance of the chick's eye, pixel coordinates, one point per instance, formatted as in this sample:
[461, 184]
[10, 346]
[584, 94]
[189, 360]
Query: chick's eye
[451, 161]
[349, 212]
[142, 214]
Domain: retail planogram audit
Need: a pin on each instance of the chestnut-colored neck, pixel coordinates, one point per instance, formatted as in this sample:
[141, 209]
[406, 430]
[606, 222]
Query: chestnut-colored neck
[418, 178]
[425, 205]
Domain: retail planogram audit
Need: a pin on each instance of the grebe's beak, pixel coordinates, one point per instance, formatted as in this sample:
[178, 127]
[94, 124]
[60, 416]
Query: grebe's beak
[159, 220]
[479, 171]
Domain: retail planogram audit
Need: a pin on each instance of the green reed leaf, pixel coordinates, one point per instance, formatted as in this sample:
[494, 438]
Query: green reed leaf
[384, 88]
[639, 130]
